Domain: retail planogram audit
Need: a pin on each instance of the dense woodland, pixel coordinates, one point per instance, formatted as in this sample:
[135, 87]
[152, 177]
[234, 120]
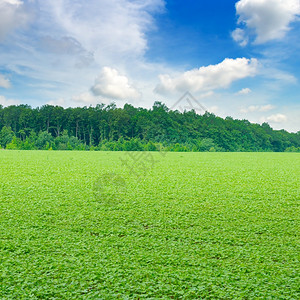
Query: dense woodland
[106, 127]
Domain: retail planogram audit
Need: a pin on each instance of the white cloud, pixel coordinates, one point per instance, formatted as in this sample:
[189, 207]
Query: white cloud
[13, 14]
[111, 84]
[287, 118]
[257, 108]
[240, 36]
[58, 102]
[4, 82]
[86, 98]
[7, 102]
[277, 118]
[83, 99]
[214, 109]
[280, 76]
[73, 40]
[69, 47]
[266, 19]
[244, 91]
[63, 45]
[108, 26]
[266, 107]
[208, 78]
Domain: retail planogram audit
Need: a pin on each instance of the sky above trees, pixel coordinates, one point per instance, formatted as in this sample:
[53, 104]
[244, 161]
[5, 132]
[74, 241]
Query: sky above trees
[238, 58]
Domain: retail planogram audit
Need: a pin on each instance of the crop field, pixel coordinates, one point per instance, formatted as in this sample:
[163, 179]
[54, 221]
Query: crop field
[116, 225]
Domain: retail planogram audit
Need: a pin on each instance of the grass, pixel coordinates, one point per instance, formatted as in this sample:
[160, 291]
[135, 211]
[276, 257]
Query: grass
[83, 225]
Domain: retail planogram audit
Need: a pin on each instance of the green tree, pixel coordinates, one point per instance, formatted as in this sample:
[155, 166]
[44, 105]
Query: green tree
[6, 136]
[44, 140]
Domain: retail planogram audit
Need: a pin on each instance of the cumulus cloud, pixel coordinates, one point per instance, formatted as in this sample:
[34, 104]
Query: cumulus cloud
[208, 78]
[240, 36]
[257, 108]
[277, 118]
[266, 19]
[72, 40]
[214, 109]
[86, 98]
[82, 99]
[111, 84]
[244, 91]
[13, 14]
[4, 82]
[7, 102]
[58, 102]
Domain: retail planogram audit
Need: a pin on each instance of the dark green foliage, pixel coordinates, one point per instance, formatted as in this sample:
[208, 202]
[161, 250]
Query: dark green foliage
[135, 129]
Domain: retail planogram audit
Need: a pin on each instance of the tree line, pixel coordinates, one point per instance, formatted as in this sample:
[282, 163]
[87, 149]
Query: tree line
[106, 127]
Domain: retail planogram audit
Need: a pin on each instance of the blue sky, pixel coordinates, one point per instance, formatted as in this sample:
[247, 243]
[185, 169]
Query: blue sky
[237, 58]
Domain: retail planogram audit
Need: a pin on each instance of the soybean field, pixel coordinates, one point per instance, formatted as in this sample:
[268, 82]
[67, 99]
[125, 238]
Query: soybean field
[149, 225]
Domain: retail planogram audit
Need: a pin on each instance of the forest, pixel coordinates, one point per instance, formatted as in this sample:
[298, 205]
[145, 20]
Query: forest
[109, 128]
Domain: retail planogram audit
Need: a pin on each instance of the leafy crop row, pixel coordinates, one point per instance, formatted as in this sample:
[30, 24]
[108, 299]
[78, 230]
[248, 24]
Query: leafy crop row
[82, 225]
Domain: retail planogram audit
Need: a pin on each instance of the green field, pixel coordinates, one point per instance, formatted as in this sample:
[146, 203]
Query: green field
[85, 225]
